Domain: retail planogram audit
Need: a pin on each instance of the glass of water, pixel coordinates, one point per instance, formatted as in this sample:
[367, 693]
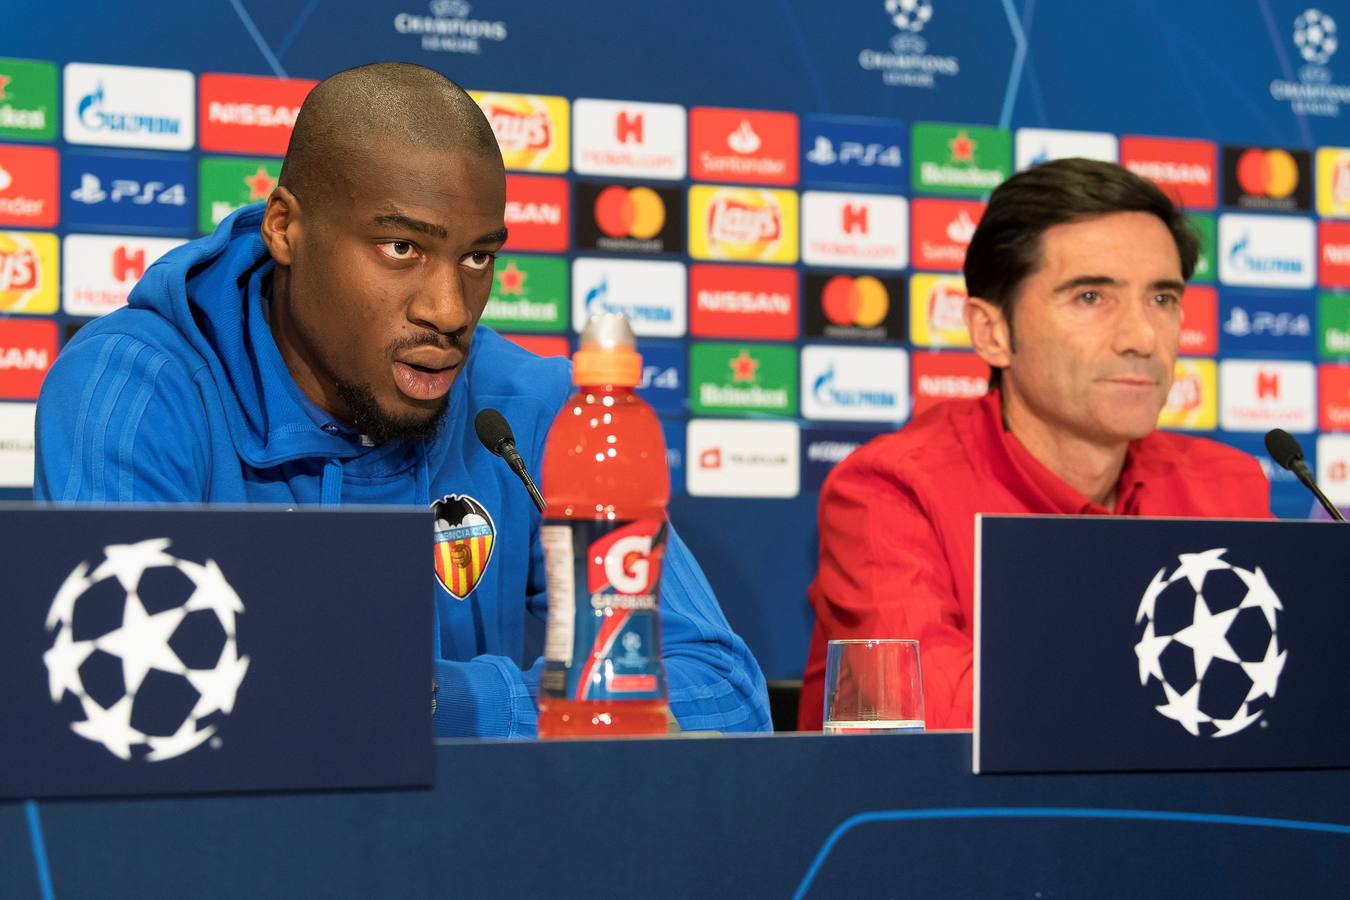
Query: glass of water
[873, 687]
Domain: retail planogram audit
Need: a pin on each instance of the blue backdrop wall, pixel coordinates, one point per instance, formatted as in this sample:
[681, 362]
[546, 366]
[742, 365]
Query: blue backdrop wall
[814, 185]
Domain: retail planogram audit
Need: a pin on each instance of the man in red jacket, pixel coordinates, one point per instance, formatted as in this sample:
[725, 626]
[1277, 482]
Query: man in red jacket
[1075, 277]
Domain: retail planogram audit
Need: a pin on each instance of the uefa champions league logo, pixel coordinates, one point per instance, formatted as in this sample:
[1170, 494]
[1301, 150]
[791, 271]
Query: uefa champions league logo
[1209, 647]
[145, 646]
[909, 15]
[1315, 36]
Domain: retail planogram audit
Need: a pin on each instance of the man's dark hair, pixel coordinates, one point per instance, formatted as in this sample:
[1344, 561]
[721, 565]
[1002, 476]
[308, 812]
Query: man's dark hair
[401, 103]
[1006, 247]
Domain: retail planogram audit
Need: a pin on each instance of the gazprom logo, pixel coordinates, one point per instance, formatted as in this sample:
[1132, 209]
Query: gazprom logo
[94, 117]
[1267, 251]
[597, 301]
[1244, 260]
[828, 393]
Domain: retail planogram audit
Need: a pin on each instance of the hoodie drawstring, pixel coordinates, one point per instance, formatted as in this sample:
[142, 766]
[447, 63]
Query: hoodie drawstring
[330, 488]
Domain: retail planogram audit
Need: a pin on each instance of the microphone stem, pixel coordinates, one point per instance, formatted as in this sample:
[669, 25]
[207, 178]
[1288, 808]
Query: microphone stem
[517, 464]
[1301, 470]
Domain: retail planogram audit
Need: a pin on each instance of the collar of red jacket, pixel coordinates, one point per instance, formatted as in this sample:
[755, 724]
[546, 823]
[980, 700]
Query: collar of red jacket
[1041, 488]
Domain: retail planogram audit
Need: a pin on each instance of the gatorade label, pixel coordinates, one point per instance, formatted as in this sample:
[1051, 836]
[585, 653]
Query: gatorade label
[604, 635]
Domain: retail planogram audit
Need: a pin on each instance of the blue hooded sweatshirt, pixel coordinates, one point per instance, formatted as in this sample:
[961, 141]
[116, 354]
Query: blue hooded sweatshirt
[183, 396]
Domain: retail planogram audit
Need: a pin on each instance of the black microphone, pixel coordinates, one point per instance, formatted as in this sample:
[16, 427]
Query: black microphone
[1284, 449]
[495, 433]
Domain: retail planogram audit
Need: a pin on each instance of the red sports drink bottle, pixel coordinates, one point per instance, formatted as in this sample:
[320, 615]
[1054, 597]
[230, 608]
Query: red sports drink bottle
[605, 486]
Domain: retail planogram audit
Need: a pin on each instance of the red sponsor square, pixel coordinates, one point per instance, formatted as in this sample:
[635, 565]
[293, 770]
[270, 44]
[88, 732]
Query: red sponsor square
[946, 376]
[940, 231]
[1333, 253]
[541, 344]
[248, 113]
[536, 213]
[742, 145]
[1186, 170]
[1199, 321]
[1333, 392]
[27, 349]
[743, 302]
[28, 186]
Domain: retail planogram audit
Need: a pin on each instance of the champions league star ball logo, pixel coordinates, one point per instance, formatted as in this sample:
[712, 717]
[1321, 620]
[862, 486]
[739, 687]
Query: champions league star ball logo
[909, 15]
[1315, 36]
[145, 648]
[1209, 646]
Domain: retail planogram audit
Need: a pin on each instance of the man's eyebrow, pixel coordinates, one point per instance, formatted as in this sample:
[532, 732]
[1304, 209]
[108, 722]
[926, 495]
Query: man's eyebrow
[1087, 281]
[1167, 284]
[398, 220]
[493, 237]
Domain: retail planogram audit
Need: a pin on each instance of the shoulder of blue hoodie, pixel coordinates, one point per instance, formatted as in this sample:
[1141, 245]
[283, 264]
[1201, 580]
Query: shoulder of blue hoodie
[167, 399]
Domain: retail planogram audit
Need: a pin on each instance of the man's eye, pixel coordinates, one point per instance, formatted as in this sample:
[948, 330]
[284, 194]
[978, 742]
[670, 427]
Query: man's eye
[1089, 297]
[1167, 300]
[480, 260]
[398, 249]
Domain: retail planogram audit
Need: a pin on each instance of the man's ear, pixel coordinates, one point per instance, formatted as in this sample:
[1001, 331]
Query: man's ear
[990, 332]
[281, 225]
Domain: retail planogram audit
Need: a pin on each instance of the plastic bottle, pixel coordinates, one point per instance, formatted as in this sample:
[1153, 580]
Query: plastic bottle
[605, 486]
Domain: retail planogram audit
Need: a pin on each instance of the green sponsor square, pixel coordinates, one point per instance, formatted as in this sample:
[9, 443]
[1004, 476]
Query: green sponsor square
[227, 183]
[1333, 325]
[968, 160]
[740, 379]
[1204, 264]
[28, 108]
[529, 293]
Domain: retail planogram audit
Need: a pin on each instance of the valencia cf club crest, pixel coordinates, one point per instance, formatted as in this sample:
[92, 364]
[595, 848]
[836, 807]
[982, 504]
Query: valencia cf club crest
[464, 535]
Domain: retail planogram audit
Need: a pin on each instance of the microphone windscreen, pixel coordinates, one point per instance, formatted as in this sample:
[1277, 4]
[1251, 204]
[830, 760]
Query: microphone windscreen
[1283, 448]
[493, 430]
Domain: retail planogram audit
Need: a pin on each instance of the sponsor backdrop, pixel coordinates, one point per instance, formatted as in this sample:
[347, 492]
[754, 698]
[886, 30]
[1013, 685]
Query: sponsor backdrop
[779, 196]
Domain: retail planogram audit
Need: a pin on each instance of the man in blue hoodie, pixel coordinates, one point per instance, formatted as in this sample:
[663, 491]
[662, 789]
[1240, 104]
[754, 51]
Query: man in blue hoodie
[323, 349]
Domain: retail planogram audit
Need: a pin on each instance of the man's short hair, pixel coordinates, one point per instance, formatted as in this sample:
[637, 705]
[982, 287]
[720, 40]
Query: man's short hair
[402, 104]
[1006, 247]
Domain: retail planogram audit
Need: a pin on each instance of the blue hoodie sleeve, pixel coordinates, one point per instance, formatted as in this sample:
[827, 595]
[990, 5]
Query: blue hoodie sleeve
[118, 421]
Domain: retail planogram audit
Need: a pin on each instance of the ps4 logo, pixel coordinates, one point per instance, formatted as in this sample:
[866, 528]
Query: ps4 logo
[1240, 323]
[855, 153]
[91, 191]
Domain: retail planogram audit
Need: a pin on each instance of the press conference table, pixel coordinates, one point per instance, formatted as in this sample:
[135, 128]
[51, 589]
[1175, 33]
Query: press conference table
[772, 816]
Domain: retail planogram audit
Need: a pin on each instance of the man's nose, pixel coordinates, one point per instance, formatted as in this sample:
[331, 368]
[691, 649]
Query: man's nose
[1135, 329]
[440, 304]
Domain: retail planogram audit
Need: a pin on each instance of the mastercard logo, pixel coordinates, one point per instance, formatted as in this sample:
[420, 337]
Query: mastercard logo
[862, 301]
[1267, 173]
[636, 212]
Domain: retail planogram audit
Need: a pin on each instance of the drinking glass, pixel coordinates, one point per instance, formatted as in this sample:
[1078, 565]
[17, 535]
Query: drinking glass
[873, 687]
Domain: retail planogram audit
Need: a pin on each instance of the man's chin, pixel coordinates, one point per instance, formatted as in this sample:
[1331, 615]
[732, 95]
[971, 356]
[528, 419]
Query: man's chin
[404, 420]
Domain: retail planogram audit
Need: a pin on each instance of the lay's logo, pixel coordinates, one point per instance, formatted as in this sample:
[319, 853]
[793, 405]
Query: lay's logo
[742, 224]
[1192, 404]
[531, 130]
[937, 311]
[28, 265]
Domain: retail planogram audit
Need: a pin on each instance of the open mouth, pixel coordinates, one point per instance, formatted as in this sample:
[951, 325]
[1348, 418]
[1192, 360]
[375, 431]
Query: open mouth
[424, 382]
